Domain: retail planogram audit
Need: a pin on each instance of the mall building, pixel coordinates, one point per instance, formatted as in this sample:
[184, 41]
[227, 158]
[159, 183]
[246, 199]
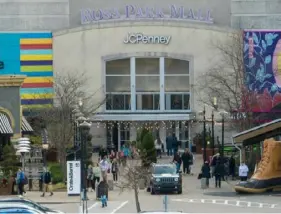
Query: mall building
[145, 57]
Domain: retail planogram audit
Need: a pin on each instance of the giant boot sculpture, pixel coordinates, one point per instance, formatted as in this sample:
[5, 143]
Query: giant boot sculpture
[268, 174]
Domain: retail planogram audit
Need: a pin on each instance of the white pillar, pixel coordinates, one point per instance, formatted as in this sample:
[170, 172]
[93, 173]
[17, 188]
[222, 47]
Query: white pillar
[133, 131]
[133, 83]
[119, 139]
[163, 134]
[162, 83]
[177, 130]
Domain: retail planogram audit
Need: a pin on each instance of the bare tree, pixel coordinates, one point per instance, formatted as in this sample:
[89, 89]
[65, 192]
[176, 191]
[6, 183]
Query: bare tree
[225, 81]
[59, 119]
[133, 176]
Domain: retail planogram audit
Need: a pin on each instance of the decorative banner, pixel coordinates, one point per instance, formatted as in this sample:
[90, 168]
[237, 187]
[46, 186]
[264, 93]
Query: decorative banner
[29, 54]
[262, 61]
[73, 177]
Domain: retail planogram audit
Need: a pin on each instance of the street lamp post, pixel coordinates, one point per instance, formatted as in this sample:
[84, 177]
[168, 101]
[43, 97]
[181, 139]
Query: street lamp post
[23, 147]
[213, 126]
[84, 127]
[223, 113]
[204, 135]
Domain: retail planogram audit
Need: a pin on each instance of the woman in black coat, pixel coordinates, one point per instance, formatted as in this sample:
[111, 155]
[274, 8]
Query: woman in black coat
[206, 172]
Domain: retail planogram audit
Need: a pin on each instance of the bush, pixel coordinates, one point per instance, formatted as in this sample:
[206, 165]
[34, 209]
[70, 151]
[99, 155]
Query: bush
[9, 164]
[147, 150]
[57, 173]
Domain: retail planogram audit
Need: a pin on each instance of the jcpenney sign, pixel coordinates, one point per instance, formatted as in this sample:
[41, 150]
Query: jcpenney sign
[135, 12]
[137, 38]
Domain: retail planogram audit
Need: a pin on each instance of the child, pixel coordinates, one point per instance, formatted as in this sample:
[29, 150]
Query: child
[104, 201]
[243, 172]
[114, 170]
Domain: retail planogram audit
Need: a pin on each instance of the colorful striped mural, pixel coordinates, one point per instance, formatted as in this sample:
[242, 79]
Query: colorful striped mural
[31, 55]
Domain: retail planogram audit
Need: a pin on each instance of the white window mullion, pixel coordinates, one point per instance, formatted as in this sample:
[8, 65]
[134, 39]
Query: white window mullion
[162, 83]
[133, 83]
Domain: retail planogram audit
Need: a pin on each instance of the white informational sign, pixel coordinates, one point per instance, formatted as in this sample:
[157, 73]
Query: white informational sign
[73, 177]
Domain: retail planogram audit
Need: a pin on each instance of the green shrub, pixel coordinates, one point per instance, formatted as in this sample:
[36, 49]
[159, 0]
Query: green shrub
[147, 150]
[9, 164]
[57, 172]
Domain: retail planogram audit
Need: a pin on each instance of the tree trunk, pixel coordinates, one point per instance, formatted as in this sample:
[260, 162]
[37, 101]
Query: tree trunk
[137, 199]
[62, 160]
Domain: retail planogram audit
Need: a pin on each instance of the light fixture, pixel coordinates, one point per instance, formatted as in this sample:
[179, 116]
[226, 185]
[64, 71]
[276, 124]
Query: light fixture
[45, 146]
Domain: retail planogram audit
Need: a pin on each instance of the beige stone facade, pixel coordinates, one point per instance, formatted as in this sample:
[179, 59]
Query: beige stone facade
[87, 49]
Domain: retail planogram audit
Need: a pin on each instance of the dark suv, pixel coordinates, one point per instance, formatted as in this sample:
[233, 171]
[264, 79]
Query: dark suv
[164, 178]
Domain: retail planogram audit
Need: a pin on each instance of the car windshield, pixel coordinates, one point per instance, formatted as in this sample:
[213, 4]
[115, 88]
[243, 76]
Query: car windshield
[164, 170]
[29, 203]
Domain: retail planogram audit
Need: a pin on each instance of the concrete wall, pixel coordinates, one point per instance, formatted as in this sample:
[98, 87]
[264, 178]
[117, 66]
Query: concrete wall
[12, 104]
[257, 14]
[220, 9]
[81, 50]
[28, 15]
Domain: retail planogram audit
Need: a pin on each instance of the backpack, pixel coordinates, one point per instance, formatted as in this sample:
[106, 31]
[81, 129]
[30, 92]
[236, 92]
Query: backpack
[47, 178]
[25, 180]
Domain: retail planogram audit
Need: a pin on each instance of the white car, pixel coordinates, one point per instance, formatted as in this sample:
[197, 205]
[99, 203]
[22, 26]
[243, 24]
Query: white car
[28, 203]
[18, 208]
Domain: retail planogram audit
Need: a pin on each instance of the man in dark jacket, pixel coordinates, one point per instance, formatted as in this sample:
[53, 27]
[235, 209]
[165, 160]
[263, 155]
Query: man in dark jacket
[175, 143]
[219, 173]
[186, 161]
[103, 152]
[177, 160]
[47, 182]
[232, 167]
[206, 172]
[169, 145]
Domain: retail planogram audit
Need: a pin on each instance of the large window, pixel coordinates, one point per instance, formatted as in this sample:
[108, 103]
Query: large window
[148, 101]
[147, 84]
[177, 84]
[118, 93]
[180, 101]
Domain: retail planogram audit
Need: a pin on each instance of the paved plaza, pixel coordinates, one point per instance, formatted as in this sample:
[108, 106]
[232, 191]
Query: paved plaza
[193, 200]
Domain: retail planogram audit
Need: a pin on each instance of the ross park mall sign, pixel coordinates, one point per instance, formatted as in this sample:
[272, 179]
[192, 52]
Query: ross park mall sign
[139, 38]
[130, 12]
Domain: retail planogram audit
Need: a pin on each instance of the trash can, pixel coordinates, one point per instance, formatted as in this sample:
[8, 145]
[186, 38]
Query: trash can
[102, 189]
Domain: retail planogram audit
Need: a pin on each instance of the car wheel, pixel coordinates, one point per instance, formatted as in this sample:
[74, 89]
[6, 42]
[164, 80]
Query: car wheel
[180, 191]
[148, 189]
[152, 191]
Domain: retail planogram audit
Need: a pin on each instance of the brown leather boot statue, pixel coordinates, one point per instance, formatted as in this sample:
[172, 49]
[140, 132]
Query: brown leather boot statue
[268, 174]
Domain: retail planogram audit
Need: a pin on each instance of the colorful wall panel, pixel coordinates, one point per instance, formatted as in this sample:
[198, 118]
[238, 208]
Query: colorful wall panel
[29, 54]
[262, 60]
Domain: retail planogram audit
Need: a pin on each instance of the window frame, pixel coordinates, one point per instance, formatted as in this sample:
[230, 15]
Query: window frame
[116, 93]
[182, 95]
[148, 93]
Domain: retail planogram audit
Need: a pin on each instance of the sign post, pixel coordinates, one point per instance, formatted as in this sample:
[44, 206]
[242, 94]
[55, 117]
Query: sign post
[73, 182]
[165, 202]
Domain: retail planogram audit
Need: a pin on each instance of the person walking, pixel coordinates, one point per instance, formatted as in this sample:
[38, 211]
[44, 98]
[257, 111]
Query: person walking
[96, 176]
[206, 172]
[103, 152]
[215, 159]
[177, 160]
[114, 170]
[47, 182]
[158, 146]
[169, 145]
[90, 177]
[232, 167]
[219, 173]
[20, 181]
[104, 166]
[175, 144]
[243, 172]
[186, 161]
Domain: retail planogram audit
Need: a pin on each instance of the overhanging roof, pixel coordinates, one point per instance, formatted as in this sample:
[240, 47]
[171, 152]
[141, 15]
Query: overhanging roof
[5, 126]
[25, 126]
[140, 117]
[259, 133]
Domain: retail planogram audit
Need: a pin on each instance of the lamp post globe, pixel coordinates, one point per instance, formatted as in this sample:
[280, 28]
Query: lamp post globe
[23, 147]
